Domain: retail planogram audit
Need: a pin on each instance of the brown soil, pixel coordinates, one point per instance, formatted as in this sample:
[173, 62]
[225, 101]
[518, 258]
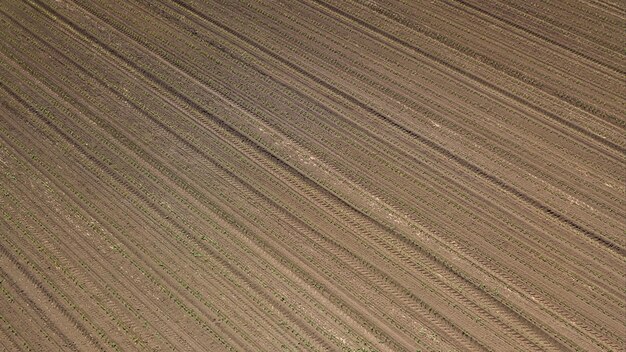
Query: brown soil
[321, 175]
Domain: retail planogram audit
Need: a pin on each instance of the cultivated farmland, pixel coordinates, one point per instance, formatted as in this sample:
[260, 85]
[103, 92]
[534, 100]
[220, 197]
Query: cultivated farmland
[312, 175]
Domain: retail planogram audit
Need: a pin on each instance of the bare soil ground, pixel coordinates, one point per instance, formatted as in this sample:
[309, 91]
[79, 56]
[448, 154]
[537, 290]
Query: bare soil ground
[320, 175]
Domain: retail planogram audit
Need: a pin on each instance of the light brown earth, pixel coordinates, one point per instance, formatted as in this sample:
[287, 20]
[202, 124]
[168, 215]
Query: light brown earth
[321, 175]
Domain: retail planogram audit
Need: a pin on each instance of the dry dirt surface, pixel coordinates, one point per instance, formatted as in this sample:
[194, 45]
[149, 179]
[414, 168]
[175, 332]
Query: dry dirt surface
[312, 175]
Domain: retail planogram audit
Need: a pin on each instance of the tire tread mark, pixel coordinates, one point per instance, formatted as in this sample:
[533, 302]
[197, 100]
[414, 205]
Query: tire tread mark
[425, 141]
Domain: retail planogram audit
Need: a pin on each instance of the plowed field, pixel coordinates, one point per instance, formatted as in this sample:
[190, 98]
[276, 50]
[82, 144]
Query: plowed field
[312, 175]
